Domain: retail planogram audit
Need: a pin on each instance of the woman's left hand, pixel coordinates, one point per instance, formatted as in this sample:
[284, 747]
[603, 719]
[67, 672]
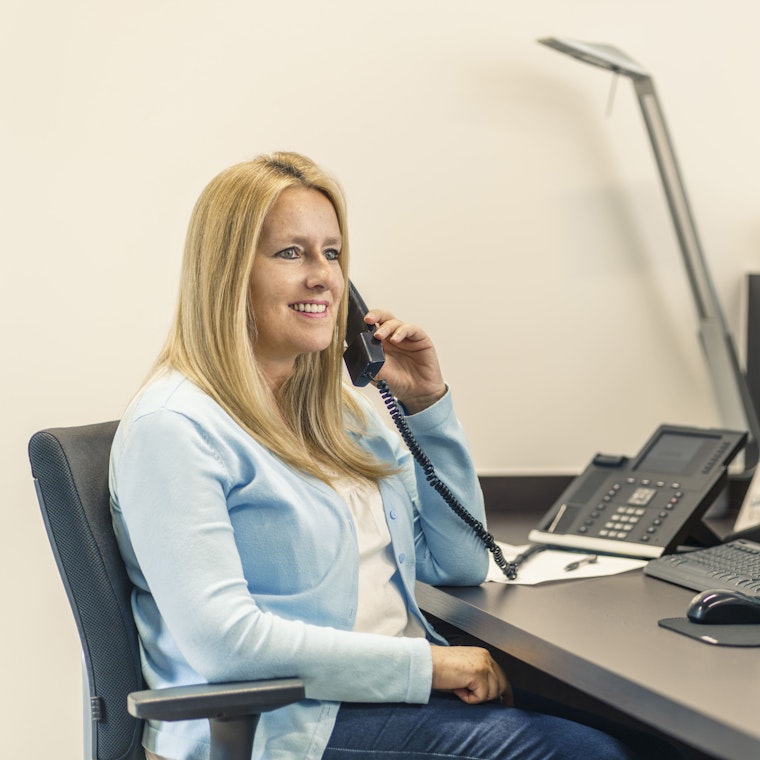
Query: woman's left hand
[411, 366]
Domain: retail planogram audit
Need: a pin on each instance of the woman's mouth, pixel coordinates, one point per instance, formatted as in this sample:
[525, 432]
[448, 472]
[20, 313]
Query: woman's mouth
[309, 308]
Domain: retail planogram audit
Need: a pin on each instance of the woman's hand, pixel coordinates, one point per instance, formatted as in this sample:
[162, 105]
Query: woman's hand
[411, 368]
[470, 673]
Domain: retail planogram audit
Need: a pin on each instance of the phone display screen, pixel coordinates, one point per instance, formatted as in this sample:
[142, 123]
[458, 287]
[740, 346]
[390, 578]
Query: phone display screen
[675, 453]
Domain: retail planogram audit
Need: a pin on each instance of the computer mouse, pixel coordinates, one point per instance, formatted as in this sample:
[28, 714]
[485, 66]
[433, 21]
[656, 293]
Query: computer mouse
[723, 606]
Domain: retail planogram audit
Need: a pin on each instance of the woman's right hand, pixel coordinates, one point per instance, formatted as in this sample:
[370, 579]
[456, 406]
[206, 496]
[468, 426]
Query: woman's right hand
[470, 673]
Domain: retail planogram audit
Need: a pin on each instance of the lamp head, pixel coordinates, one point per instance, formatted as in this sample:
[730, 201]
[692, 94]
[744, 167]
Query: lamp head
[604, 56]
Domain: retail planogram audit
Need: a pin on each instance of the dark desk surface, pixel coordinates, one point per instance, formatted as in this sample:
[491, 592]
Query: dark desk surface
[601, 636]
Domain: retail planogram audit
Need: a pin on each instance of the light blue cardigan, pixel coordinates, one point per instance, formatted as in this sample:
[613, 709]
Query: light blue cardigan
[245, 568]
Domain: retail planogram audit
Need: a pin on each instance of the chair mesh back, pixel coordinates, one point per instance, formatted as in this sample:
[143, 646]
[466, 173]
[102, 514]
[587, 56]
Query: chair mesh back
[70, 467]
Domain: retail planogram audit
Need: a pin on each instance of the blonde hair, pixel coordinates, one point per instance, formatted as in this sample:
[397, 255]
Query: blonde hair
[305, 422]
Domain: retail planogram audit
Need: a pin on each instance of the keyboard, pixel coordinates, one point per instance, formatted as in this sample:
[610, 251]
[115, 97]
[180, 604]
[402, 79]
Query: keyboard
[734, 565]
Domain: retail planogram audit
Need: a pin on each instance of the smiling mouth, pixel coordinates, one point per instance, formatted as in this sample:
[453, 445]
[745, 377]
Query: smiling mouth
[309, 308]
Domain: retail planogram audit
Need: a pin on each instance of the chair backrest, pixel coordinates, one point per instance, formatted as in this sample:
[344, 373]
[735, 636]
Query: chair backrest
[70, 469]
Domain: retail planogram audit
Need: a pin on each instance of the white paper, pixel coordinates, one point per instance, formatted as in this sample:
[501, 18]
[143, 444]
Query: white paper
[550, 564]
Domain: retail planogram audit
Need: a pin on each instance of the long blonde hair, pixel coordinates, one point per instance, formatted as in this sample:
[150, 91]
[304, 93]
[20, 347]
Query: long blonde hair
[305, 423]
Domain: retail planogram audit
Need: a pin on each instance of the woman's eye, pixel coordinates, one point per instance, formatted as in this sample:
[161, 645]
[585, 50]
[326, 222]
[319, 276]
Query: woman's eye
[331, 254]
[288, 253]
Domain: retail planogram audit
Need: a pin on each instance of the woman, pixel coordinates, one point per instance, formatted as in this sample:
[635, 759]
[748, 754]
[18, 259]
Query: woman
[273, 526]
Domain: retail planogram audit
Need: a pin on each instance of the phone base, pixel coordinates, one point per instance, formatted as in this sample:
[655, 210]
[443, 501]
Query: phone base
[600, 545]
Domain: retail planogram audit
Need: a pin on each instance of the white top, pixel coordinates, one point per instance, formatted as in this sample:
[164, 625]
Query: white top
[381, 607]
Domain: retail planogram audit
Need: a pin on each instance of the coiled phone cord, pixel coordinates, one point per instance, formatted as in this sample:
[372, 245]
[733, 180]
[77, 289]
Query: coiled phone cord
[508, 568]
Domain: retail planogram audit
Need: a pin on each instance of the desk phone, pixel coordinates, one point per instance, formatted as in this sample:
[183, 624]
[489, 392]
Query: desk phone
[649, 505]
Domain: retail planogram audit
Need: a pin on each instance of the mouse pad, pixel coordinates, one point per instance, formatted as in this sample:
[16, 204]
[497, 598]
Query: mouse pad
[742, 635]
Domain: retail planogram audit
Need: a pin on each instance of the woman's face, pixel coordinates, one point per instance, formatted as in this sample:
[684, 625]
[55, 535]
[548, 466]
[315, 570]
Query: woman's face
[296, 282]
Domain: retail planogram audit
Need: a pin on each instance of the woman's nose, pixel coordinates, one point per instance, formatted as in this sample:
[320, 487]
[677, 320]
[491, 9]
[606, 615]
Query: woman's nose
[321, 273]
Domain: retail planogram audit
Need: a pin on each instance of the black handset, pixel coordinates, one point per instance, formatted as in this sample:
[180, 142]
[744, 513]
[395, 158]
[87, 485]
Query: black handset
[364, 354]
[364, 358]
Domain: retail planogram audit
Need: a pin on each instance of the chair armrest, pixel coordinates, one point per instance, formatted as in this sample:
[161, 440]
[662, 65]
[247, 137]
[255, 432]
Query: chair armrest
[215, 701]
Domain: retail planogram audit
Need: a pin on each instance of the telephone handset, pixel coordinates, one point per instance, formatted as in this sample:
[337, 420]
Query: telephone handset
[364, 358]
[364, 354]
[649, 505]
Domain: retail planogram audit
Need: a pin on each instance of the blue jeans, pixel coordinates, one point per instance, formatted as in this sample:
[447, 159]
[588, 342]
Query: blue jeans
[448, 728]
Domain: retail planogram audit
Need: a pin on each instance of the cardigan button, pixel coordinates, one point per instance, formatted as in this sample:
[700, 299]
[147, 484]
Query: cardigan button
[393, 514]
[401, 558]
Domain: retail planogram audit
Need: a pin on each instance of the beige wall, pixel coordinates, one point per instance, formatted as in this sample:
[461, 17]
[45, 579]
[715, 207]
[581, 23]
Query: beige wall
[491, 199]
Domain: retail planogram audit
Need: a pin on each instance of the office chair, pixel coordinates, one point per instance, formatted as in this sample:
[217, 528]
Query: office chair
[70, 469]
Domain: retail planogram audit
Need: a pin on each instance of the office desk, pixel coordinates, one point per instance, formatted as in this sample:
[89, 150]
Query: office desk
[600, 635]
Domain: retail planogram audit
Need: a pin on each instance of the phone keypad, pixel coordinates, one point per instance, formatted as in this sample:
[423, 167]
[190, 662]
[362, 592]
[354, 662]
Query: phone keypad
[621, 522]
[633, 510]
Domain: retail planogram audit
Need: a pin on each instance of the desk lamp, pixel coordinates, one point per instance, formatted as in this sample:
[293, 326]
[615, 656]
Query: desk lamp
[729, 383]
